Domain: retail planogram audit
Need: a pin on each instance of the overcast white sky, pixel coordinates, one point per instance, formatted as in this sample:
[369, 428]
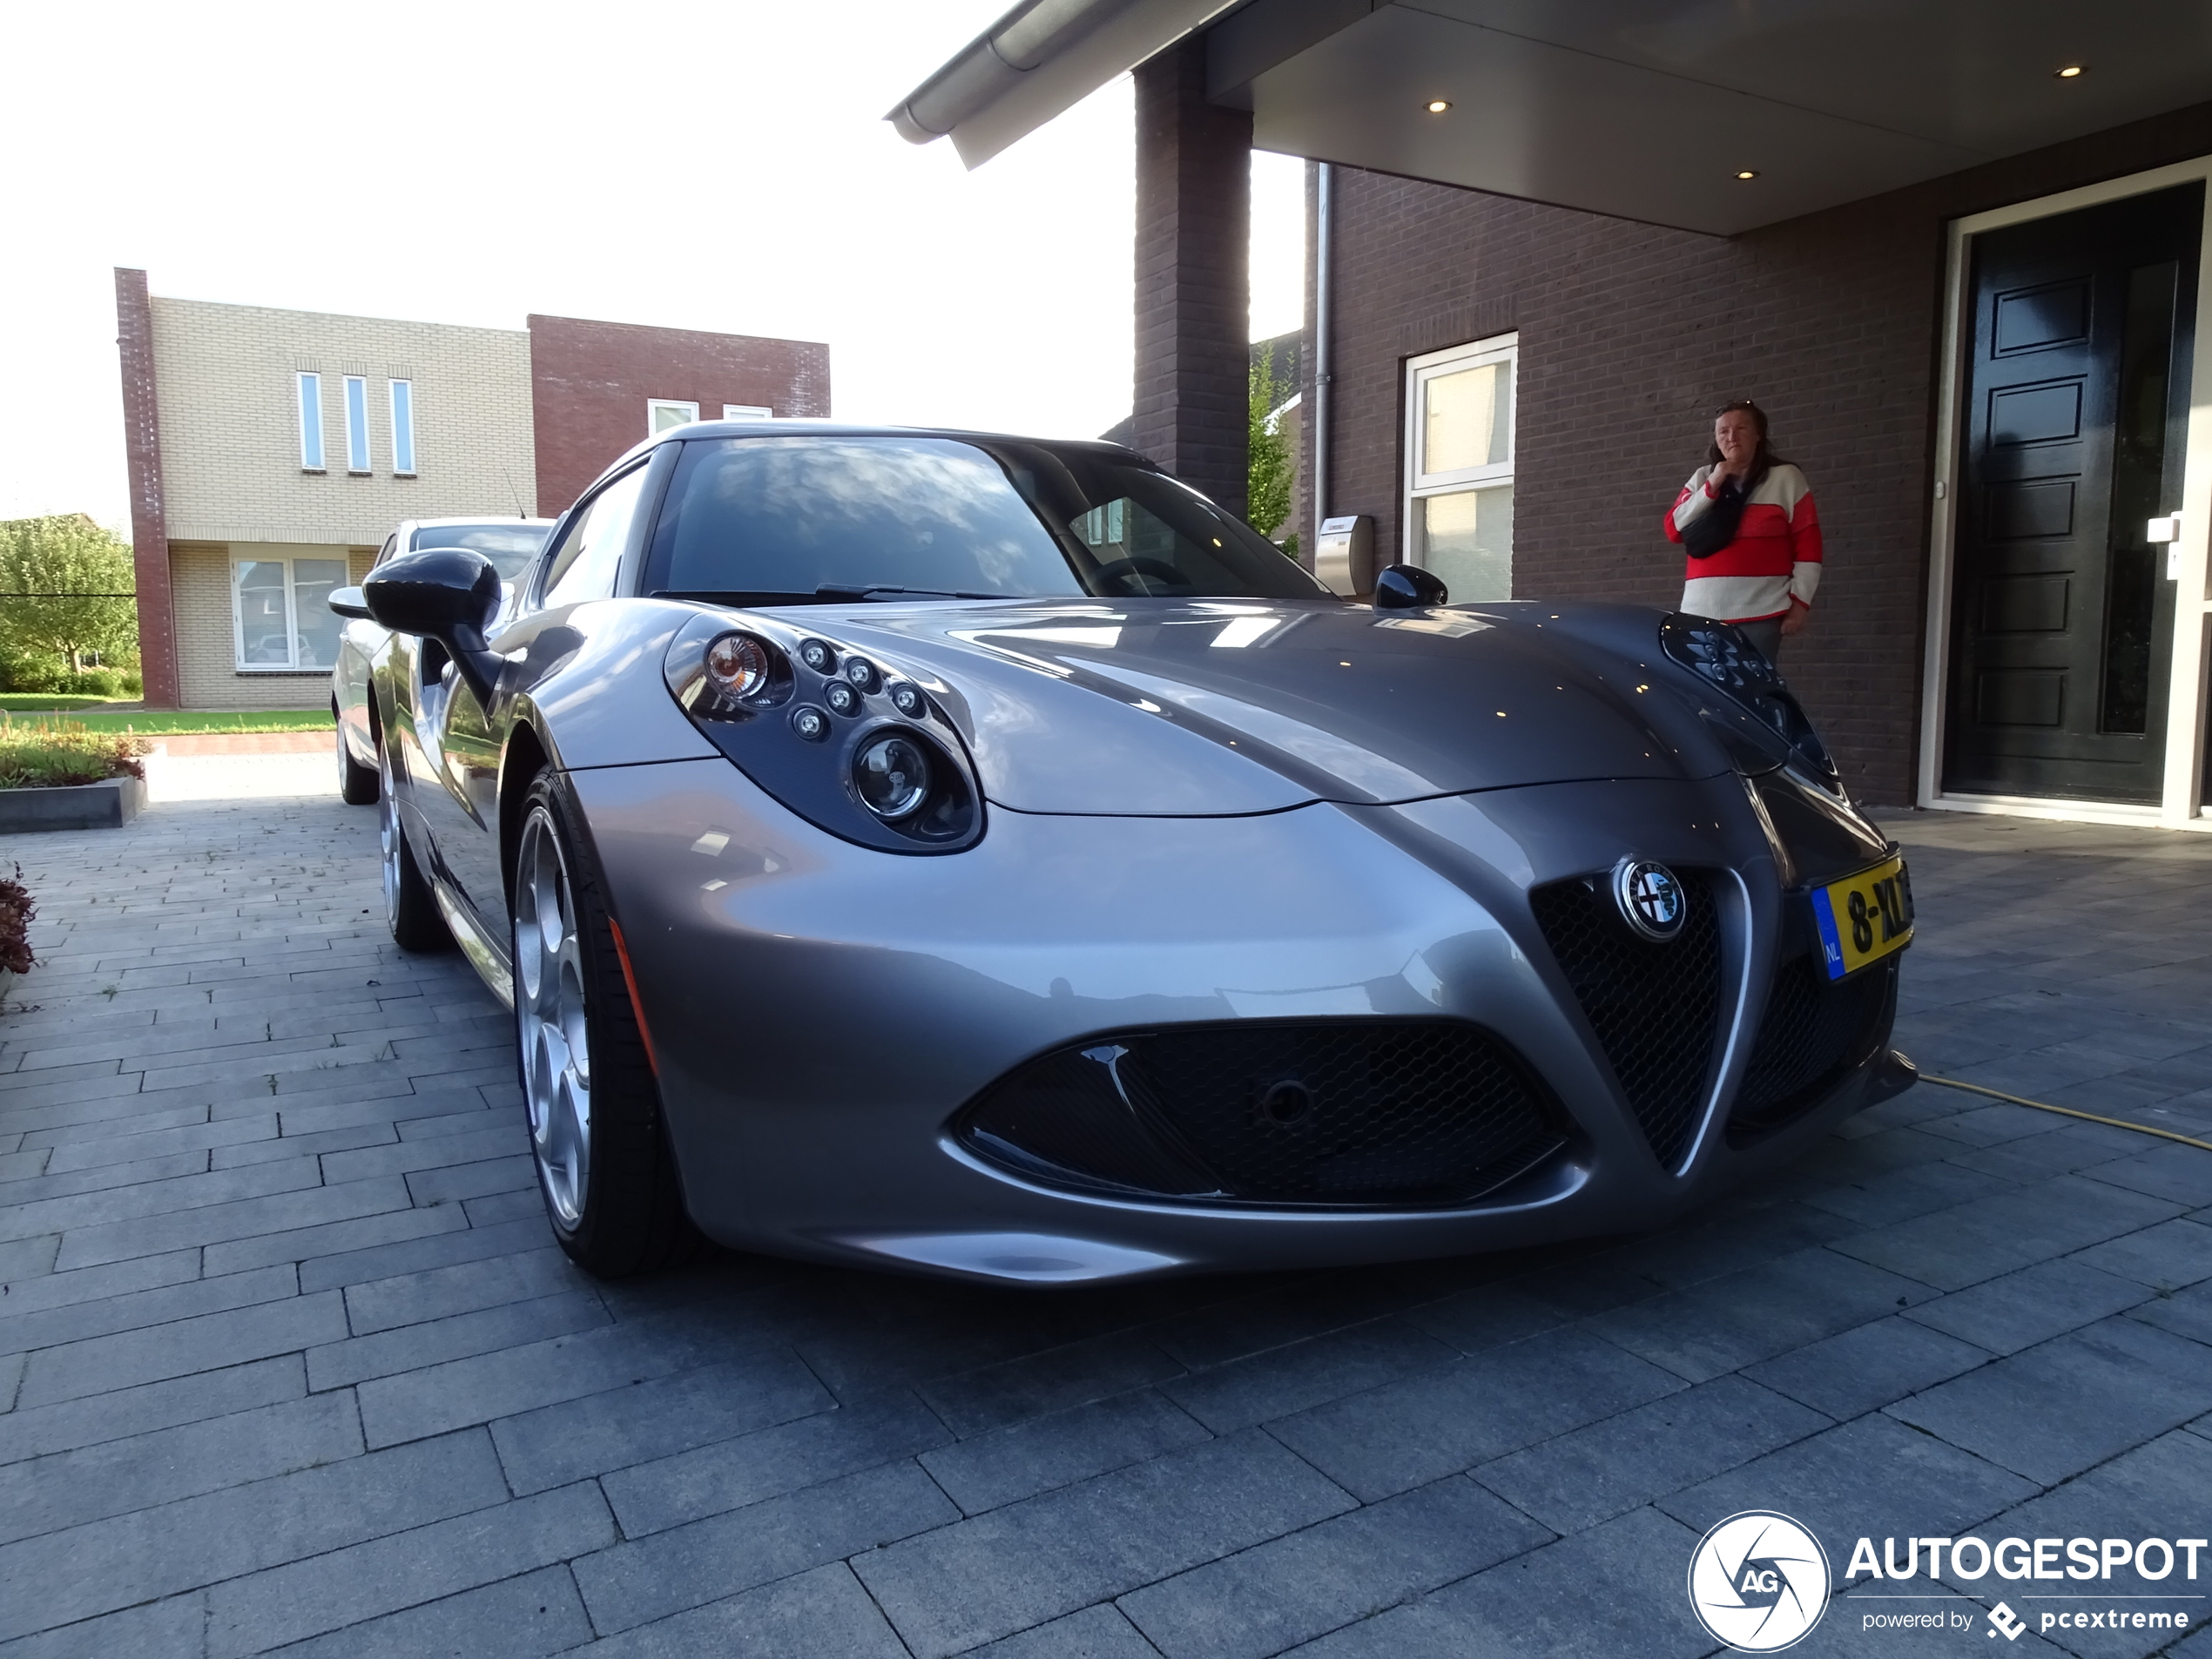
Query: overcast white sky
[700, 164]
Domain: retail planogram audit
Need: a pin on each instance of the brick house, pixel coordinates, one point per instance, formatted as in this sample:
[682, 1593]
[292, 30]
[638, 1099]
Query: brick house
[1955, 251]
[271, 452]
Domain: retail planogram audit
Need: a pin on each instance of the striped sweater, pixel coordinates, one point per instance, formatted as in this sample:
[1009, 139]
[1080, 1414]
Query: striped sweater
[1775, 558]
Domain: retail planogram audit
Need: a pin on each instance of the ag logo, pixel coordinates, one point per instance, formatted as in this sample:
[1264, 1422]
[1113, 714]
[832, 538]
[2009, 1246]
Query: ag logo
[1759, 1581]
[1649, 897]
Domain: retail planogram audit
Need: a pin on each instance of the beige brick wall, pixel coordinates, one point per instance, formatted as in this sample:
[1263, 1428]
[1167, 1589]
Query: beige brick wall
[207, 667]
[230, 433]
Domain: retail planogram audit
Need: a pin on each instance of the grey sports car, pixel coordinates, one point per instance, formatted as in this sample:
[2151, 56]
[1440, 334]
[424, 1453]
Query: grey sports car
[987, 856]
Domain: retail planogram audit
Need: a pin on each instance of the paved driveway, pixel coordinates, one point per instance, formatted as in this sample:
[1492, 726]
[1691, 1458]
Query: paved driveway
[286, 1357]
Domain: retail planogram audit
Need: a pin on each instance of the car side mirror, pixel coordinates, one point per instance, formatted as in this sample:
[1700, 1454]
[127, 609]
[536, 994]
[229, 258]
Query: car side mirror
[1401, 587]
[348, 602]
[448, 594]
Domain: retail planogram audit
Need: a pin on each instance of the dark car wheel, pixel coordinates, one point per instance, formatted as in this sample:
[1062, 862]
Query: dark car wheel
[357, 785]
[409, 908]
[603, 1164]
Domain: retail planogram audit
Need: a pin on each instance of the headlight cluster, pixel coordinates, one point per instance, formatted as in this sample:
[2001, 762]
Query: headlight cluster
[1722, 654]
[862, 753]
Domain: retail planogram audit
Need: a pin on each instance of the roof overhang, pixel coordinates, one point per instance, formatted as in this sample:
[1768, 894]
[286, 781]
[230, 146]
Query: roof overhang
[1642, 110]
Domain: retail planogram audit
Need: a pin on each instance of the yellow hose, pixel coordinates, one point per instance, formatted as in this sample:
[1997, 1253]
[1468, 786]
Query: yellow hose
[2068, 1112]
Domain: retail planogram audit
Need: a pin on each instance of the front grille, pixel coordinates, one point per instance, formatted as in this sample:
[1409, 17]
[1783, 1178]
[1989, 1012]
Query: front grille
[1272, 1111]
[1814, 1033]
[1655, 1008]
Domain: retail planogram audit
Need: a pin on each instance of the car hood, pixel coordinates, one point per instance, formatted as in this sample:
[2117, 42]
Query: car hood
[1223, 706]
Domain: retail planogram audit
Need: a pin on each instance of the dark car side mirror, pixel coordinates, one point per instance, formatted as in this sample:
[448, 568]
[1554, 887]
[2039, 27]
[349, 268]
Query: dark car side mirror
[448, 594]
[348, 602]
[1401, 587]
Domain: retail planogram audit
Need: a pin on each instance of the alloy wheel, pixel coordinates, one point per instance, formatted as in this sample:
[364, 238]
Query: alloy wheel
[550, 1014]
[388, 836]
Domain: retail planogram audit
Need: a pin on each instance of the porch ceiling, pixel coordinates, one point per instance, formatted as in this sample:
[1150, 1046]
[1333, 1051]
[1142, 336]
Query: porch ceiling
[1649, 110]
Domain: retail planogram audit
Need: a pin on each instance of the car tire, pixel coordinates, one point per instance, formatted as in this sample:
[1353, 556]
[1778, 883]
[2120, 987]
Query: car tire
[410, 908]
[604, 1165]
[358, 785]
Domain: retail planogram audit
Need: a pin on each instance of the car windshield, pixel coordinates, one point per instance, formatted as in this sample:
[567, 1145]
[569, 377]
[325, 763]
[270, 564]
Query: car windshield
[792, 519]
[510, 547]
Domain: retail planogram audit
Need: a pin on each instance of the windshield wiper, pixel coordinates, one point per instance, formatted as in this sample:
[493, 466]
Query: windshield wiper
[870, 590]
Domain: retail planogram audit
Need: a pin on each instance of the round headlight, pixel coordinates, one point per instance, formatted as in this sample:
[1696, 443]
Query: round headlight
[737, 665]
[891, 773]
[861, 672]
[842, 698]
[908, 700]
[809, 723]
[816, 655]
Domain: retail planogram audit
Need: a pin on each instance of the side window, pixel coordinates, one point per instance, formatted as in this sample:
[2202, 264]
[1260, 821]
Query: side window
[584, 566]
[391, 543]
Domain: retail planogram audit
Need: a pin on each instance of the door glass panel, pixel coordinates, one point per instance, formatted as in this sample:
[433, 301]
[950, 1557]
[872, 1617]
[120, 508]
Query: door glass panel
[319, 626]
[585, 566]
[2138, 477]
[1465, 539]
[264, 641]
[1469, 419]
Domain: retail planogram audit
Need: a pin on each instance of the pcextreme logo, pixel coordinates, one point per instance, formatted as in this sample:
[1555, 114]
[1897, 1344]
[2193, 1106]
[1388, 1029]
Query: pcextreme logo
[1759, 1581]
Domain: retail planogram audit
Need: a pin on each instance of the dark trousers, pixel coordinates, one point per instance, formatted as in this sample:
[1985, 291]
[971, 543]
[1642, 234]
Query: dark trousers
[1767, 636]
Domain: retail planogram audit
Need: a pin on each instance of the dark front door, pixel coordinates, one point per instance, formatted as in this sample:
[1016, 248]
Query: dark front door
[2077, 396]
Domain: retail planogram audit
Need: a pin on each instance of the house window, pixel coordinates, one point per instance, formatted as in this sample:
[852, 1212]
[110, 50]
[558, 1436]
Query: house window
[356, 424]
[662, 413]
[281, 608]
[1458, 466]
[747, 412]
[310, 422]
[403, 428]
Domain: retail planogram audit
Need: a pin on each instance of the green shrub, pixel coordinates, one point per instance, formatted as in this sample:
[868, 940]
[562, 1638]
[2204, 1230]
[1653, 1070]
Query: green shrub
[16, 912]
[44, 756]
[134, 684]
[99, 682]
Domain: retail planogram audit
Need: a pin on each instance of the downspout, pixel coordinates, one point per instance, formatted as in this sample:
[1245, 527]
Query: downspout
[1322, 357]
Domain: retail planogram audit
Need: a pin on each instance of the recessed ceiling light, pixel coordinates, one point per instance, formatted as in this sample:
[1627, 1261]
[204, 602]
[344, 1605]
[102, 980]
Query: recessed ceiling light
[1438, 105]
[1747, 172]
[2071, 72]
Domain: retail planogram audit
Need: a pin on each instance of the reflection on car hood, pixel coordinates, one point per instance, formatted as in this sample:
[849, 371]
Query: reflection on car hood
[1216, 706]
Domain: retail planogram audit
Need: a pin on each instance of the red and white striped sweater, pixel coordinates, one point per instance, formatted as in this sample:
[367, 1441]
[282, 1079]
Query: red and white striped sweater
[1773, 559]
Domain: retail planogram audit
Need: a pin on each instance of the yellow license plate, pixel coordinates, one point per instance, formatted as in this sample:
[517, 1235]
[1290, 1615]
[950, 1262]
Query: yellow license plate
[1865, 917]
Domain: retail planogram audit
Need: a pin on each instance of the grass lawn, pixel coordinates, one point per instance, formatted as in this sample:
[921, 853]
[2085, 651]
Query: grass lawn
[161, 720]
[20, 701]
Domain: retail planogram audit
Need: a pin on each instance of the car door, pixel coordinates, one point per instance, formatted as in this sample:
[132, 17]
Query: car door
[461, 742]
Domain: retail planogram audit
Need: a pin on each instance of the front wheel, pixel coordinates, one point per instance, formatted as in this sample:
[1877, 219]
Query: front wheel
[603, 1164]
[410, 909]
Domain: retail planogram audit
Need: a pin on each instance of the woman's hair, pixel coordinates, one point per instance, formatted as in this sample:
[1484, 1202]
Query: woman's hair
[1764, 461]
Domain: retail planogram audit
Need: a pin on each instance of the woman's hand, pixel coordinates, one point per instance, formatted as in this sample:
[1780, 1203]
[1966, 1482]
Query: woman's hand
[1795, 623]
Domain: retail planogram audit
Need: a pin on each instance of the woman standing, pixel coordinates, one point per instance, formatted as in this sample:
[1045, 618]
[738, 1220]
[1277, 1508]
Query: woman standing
[1746, 520]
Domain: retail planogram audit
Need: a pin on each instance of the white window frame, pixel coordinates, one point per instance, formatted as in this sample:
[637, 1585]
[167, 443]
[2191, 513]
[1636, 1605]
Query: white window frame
[357, 446]
[341, 556]
[747, 412]
[307, 385]
[401, 392]
[655, 405]
[1420, 371]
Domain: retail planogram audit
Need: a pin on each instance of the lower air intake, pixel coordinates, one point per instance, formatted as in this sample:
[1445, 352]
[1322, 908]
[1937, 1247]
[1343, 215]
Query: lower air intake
[1814, 1034]
[1334, 1112]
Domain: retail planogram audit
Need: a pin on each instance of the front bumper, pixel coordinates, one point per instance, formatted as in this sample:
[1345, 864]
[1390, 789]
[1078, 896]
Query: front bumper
[820, 1013]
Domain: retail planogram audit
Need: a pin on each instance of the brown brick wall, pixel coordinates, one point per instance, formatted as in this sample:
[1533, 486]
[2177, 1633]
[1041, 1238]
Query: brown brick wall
[590, 383]
[1630, 335]
[149, 496]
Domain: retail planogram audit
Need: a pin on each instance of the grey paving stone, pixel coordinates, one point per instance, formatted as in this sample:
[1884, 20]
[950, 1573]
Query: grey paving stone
[44, 1429]
[1097, 1632]
[10, 1380]
[1286, 1379]
[522, 1617]
[993, 1470]
[992, 1396]
[519, 1205]
[1900, 1195]
[2167, 1257]
[105, 1565]
[1867, 1367]
[435, 1293]
[364, 1581]
[578, 1439]
[447, 1248]
[1002, 1572]
[1725, 1324]
[2186, 1313]
[183, 1297]
[2163, 1170]
[1408, 1433]
[502, 1139]
[1488, 1316]
[298, 1146]
[68, 1488]
[23, 1297]
[823, 1614]
[1301, 1586]
[767, 1463]
[1610, 1467]
[209, 1342]
[173, 1200]
[1954, 1248]
[649, 1578]
[393, 1225]
[1872, 1477]
[2026, 1412]
[491, 1330]
[28, 1257]
[157, 1630]
[2005, 1315]
[217, 1223]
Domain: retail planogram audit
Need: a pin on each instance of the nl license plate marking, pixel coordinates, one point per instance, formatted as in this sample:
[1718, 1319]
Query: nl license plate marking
[1863, 918]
